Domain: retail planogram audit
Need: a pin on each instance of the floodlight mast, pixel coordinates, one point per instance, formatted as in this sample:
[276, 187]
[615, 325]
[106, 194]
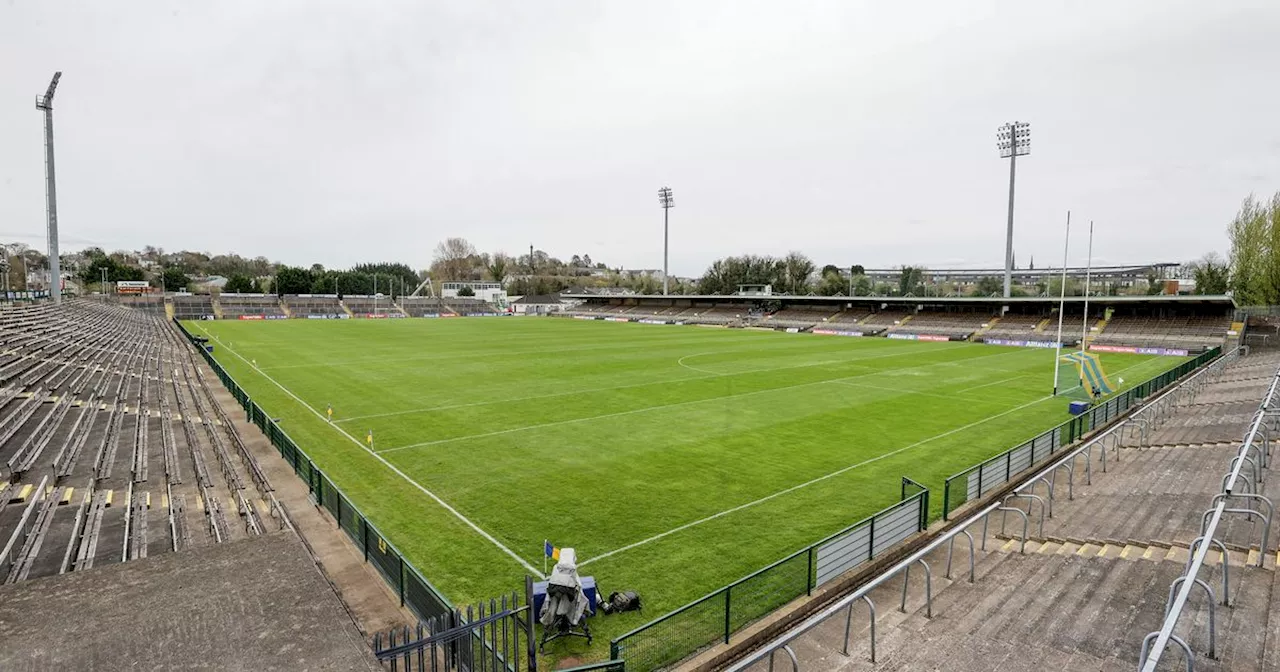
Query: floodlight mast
[667, 202]
[1013, 140]
[45, 103]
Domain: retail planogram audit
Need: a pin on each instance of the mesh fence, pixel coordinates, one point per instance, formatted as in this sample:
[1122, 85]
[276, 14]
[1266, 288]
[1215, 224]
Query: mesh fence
[717, 616]
[415, 591]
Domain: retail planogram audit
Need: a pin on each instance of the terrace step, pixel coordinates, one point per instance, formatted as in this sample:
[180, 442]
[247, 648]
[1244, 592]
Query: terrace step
[1154, 550]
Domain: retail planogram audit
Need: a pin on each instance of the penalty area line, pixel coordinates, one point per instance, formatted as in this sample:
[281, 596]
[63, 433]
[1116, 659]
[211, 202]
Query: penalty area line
[810, 482]
[523, 563]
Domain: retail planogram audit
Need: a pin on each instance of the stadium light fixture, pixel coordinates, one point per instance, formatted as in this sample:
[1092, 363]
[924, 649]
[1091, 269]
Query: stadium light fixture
[667, 202]
[45, 104]
[1013, 140]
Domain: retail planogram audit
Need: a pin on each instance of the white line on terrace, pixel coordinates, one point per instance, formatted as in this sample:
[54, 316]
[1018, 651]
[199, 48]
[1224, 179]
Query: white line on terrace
[383, 460]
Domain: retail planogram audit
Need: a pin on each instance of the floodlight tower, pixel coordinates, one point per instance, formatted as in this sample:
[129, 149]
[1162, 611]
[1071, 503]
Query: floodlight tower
[667, 202]
[51, 193]
[1013, 140]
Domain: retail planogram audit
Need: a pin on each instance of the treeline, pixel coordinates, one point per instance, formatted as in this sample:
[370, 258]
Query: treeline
[393, 279]
[1253, 270]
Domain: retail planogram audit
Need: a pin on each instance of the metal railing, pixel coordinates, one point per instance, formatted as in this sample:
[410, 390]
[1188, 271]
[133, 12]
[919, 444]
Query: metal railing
[995, 472]
[716, 616]
[1044, 474]
[414, 591]
[1180, 591]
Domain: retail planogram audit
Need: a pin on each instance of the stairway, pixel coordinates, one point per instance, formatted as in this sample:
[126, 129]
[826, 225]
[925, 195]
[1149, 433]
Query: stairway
[285, 309]
[977, 335]
[345, 309]
[1043, 323]
[217, 307]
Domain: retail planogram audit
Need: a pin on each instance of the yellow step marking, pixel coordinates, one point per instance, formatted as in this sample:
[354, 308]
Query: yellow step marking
[3, 484]
[1102, 552]
[1147, 555]
[23, 493]
[1171, 555]
[164, 500]
[266, 508]
[199, 503]
[1043, 547]
[1253, 557]
[110, 495]
[1124, 553]
[1083, 549]
[148, 500]
[1008, 544]
[66, 496]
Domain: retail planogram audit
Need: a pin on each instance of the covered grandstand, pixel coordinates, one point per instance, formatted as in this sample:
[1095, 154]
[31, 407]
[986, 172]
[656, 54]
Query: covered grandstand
[1172, 324]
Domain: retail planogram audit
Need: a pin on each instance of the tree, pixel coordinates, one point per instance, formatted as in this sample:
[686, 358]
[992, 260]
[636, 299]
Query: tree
[862, 286]
[498, 267]
[239, 284]
[1154, 286]
[857, 269]
[830, 269]
[1253, 262]
[910, 279]
[1211, 274]
[466, 291]
[453, 260]
[796, 270]
[293, 280]
[174, 280]
[988, 286]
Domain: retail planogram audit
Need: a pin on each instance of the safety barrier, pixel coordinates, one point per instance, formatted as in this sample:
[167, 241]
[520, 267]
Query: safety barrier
[980, 479]
[415, 592]
[1256, 453]
[716, 616]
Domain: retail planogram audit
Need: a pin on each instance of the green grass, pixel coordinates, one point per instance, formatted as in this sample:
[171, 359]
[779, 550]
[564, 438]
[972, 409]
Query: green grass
[599, 436]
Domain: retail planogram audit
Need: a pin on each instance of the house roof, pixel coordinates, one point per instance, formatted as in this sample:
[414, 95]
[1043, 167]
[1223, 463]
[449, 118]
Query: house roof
[539, 299]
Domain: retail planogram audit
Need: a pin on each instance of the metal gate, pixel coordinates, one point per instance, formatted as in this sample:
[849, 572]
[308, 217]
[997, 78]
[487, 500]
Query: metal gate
[493, 637]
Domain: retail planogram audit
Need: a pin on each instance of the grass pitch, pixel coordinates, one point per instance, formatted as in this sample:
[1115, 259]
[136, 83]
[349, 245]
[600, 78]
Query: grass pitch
[674, 459]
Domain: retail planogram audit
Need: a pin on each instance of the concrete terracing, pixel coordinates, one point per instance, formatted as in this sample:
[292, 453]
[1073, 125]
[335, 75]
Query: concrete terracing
[1087, 590]
[255, 604]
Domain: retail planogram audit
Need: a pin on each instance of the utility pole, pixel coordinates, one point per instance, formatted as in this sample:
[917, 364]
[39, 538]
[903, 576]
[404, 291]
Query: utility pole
[45, 103]
[1013, 140]
[665, 200]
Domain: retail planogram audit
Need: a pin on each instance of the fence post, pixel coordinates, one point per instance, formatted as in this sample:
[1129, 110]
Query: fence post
[529, 640]
[924, 511]
[871, 539]
[946, 495]
[1008, 465]
[248, 409]
[808, 579]
[364, 535]
[400, 576]
[726, 612]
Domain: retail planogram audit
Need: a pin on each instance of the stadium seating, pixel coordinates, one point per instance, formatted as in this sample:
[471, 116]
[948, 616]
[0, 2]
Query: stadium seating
[313, 305]
[851, 316]
[958, 325]
[1017, 327]
[193, 307]
[799, 317]
[111, 444]
[417, 306]
[235, 306]
[367, 305]
[1189, 333]
[150, 303]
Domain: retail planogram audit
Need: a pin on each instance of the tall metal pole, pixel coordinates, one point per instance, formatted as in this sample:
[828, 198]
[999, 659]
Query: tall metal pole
[665, 200]
[1008, 236]
[1088, 269]
[1062, 304]
[1013, 140]
[51, 191]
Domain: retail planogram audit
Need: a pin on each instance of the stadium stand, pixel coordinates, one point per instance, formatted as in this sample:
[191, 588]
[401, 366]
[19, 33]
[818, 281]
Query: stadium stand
[111, 445]
[1017, 326]
[235, 306]
[309, 305]
[1099, 567]
[361, 306]
[851, 316]
[418, 306]
[150, 303]
[1189, 333]
[193, 307]
[126, 489]
[957, 325]
[799, 317]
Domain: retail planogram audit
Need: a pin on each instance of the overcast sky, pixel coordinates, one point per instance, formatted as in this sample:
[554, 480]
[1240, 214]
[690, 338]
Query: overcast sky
[855, 132]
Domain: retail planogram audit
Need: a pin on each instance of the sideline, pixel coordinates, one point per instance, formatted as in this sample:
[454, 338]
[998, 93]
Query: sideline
[524, 563]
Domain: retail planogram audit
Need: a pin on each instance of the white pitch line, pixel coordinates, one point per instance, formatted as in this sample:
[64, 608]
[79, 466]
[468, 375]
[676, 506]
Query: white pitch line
[660, 407]
[979, 387]
[808, 483]
[383, 460]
